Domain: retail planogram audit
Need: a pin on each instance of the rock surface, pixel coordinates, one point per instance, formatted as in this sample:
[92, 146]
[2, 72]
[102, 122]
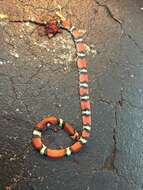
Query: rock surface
[38, 77]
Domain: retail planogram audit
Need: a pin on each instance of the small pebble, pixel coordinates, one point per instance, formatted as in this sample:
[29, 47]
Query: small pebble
[48, 124]
[24, 157]
[32, 19]
[17, 109]
[65, 68]
[14, 54]
[94, 51]
[2, 62]
[3, 16]
[132, 76]
[27, 23]
[12, 159]
[8, 188]
[40, 65]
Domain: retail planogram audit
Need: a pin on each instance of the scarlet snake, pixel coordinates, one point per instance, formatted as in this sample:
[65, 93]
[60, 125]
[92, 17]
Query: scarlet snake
[80, 138]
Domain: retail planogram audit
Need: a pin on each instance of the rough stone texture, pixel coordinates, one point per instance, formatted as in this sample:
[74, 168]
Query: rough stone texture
[38, 77]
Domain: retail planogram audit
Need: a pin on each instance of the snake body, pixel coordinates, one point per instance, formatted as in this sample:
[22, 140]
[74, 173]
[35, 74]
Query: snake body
[80, 138]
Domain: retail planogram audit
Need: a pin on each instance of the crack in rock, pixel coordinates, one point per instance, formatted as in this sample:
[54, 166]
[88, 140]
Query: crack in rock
[110, 13]
[109, 163]
[134, 41]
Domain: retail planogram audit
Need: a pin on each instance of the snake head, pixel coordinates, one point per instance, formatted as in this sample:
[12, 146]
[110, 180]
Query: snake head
[51, 29]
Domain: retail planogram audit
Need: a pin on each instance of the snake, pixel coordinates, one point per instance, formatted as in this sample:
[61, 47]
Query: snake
[81, 137]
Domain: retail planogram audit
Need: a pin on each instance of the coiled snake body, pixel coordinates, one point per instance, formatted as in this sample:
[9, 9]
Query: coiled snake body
[80, 138]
